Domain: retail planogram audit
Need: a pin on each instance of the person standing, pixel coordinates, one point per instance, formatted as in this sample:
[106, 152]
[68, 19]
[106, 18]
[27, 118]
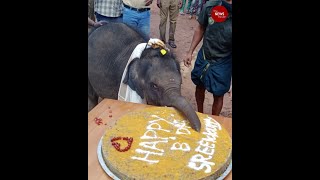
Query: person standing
[108, 10]
[188, 6]
[171, 8]
[213, 67]
[181, 10]
[136, 13]
[196, 8]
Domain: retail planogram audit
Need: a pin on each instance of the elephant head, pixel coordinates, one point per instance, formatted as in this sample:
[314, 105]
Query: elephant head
[157, 79]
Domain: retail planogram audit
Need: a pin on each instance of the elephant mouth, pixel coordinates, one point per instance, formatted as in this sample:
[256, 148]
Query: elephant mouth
[153, 103]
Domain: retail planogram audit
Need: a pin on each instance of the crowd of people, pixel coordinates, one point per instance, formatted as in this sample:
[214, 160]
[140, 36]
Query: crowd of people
[212, 70]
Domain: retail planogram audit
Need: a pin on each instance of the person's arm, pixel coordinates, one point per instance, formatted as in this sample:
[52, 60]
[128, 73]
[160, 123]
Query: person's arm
[197, 36]
[90, 22]
[94, 24]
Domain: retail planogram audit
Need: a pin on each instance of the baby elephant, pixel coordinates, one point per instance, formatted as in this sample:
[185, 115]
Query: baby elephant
[155, 76]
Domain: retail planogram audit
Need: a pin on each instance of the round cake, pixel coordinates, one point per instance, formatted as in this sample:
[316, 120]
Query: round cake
[158, 143]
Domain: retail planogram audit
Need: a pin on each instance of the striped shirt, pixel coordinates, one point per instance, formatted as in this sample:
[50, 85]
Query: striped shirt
[108, 8]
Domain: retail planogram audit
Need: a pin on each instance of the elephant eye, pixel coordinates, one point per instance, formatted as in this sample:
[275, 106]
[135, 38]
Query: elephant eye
[154, 86]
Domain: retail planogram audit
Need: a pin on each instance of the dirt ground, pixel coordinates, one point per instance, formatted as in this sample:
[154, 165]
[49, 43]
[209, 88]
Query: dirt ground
[183, 37]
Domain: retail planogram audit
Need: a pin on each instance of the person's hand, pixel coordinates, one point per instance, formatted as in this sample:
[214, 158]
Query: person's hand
[158, 4]
[180, 4]
[97, 24]
[103, 22]
[148, 2]
[100, 23]
[187, 59]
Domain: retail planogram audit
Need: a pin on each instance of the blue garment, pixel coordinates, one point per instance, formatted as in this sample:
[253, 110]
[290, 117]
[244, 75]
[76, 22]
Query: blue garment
[100, 17]
[138, 20]
[214, 75]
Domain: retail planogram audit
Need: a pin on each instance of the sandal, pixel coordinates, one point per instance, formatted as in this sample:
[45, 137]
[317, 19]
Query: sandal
[172, 44]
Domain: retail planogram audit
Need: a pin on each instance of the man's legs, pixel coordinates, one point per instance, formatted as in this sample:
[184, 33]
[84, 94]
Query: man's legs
[200, 90]
[230, 90]
[144, 22]
[217, 105]
[217, 101]
[130, 17]
[173, 13]
[163, 19]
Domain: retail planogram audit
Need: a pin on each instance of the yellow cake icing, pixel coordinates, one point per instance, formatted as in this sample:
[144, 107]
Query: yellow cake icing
[165, 146]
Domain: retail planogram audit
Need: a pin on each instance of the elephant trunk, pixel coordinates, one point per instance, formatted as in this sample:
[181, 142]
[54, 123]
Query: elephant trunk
[185, 107]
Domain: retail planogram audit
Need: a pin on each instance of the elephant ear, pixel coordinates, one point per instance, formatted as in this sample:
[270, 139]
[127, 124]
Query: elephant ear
[132, 77]
[178, 66]
[176, 62]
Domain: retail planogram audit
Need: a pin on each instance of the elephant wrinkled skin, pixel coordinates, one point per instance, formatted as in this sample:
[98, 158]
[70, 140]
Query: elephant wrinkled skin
[153, 76]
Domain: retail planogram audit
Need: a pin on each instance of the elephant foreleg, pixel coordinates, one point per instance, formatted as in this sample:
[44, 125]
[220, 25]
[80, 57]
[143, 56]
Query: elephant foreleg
[92, 97]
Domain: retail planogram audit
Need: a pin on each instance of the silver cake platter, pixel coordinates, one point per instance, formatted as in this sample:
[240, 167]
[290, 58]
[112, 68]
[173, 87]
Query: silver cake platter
[113, 176]
[103, 164]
